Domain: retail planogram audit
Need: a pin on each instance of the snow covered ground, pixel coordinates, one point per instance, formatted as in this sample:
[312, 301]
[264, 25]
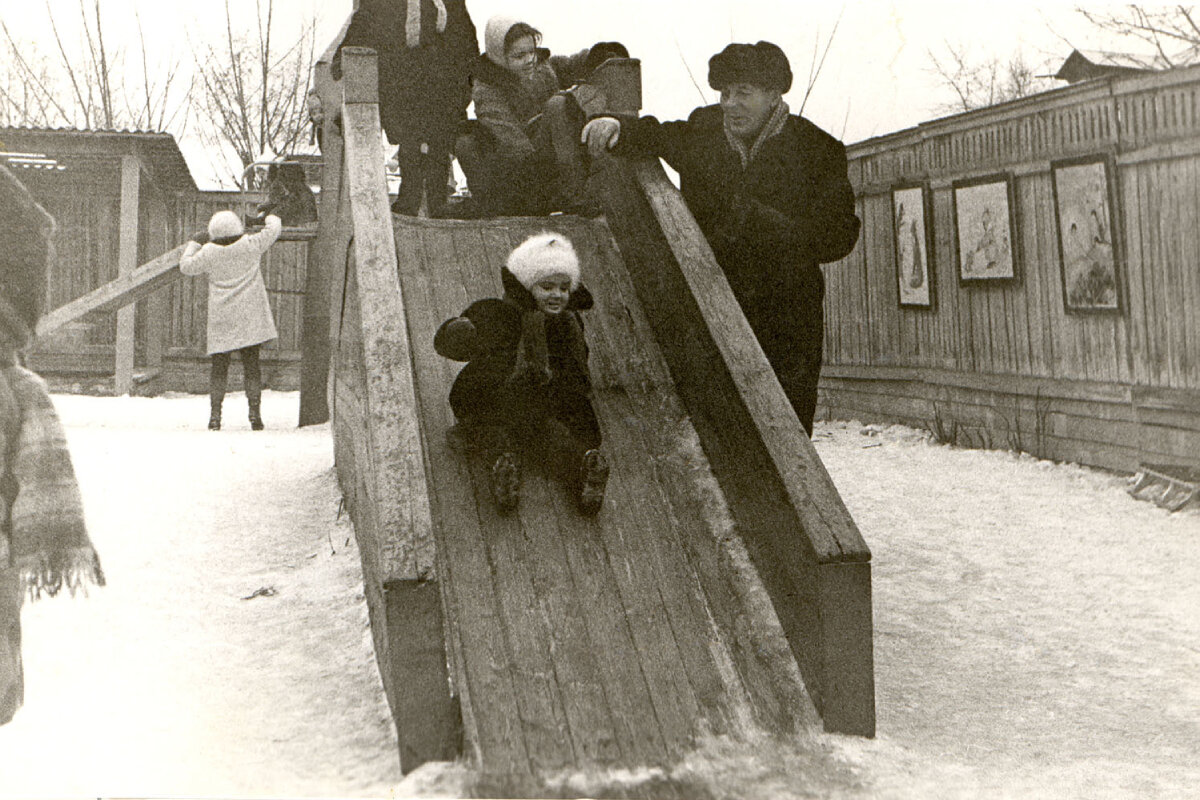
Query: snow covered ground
[1037, 630]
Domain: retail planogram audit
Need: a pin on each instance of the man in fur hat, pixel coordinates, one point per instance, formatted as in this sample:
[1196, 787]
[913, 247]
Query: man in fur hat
[44, 545]
[770, 191]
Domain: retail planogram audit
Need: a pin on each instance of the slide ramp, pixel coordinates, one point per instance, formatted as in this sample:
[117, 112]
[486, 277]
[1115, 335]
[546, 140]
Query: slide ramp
[581, 641]
[546, 642]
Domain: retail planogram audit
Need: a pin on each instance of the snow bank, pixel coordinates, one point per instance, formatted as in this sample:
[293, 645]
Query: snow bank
[1036, 630]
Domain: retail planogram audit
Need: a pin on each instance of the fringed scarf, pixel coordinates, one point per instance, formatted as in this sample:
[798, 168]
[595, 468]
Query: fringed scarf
[532, 364]
[773, 126]
[47, 538]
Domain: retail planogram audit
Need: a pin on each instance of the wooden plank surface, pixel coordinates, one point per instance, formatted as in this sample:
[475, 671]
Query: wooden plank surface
[787, 510]
[127, 288]
[486, 693]
[577, 641]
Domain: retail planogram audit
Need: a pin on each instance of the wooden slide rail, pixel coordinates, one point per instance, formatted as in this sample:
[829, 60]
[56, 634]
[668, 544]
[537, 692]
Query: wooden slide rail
[810, 555]
[377, 441]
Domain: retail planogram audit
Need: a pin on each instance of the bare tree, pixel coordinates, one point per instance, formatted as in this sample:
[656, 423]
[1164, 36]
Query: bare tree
[818, 61]
[23, 97]
[254, 91]
[1172, 32]
[87, 85]
[985, 82]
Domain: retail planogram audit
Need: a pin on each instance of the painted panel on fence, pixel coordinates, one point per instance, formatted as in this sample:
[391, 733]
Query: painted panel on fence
[1083, 210]
[910, 226]
[983, 227]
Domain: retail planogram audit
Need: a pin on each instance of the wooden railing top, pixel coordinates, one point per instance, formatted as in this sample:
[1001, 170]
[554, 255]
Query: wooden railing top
[1113, 89]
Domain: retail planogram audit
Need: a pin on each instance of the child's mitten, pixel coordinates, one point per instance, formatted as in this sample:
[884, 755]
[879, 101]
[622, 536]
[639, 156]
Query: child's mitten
[457, 339]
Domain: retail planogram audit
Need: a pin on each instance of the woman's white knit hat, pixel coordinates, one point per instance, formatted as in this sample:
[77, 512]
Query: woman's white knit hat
[225, 225]
[541, 256]
[494, 33]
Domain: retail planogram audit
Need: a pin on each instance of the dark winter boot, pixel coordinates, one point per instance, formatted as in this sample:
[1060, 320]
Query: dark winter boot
[216, 389]
[572, 195]
[593, 479]
[252, 373]
[505, 481]
[256, 423]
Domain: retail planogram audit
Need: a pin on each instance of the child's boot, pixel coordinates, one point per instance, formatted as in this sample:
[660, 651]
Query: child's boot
[506, 482]
[593, 479]
[214, 416]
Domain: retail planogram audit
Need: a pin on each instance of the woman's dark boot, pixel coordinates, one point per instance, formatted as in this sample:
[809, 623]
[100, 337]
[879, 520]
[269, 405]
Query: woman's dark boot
[256, 423]
[252, 375]
[216, 389]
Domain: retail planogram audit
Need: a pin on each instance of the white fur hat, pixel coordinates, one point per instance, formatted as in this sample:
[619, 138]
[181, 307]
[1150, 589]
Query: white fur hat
[225, 225]
[541, 256]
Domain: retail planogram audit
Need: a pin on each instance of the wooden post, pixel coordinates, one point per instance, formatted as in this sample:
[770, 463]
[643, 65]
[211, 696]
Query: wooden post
[127, 263]
[314, 340]
[158, 311]
[427, 720]
[813, 562]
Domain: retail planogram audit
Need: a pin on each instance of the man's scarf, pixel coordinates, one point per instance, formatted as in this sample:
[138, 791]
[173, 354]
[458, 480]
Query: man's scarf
[532, 364]
[48, 540]
[773, 127]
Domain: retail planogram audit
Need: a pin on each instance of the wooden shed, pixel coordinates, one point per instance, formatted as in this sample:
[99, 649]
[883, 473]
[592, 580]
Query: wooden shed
[122, 198]
[1028, 276]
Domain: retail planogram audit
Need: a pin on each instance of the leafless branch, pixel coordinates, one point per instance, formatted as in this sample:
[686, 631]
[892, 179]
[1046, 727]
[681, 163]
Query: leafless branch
[815, 72]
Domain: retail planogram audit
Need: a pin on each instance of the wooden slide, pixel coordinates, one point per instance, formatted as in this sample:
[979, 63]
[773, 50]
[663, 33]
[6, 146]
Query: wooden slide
[544, 641]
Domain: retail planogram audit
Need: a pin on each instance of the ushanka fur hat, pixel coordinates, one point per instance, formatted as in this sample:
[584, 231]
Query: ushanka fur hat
[225, 225]
[763, 65]
[541, 256]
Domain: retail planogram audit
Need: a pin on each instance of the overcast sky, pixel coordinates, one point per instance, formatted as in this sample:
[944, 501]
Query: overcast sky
[876, 79]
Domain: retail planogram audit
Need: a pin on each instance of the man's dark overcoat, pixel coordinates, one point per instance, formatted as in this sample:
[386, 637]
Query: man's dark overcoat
[771, 224]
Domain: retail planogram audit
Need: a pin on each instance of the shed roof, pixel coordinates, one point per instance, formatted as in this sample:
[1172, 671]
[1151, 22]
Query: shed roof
[159, 152]
[1083, 65]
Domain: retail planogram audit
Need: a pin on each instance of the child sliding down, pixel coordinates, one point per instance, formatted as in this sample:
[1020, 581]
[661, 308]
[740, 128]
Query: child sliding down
[525, 388]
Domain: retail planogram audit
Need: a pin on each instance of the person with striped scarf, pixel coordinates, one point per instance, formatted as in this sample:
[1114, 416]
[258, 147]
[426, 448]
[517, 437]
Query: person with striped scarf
[44, 545]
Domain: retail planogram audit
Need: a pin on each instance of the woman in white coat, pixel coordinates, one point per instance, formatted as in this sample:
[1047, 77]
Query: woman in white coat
[239, 315]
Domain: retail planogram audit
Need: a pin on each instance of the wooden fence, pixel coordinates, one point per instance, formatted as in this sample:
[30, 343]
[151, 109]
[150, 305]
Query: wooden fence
[170, 327]
[1111, 381]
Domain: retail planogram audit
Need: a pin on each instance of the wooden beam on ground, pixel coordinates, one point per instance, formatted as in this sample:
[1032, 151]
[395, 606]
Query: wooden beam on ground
[405, 554]
[813, 562]
[128, 288]
[127, 254]
[133, 286]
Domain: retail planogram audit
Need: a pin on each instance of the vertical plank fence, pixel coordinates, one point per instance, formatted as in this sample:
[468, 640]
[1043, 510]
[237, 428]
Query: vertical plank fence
[1006, 364]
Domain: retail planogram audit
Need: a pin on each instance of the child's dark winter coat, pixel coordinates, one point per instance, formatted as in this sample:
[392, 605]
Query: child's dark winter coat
[524, 367]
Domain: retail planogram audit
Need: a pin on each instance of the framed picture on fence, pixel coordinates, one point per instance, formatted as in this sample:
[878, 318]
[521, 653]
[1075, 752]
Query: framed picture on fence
[984, 232]
[911, 235]
[1083, 208]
